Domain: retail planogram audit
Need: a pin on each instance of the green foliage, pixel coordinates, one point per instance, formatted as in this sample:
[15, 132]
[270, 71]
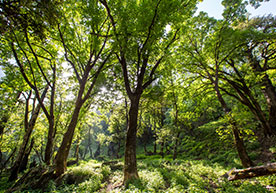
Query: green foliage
[4, 184]
[165, 175]
[88, 170]
[87, 177]
[91, 185]
[159, 175]
[188, 60]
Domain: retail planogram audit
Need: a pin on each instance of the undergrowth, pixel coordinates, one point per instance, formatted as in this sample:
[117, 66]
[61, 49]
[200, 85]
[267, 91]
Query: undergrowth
[156, 175]
[199, 168]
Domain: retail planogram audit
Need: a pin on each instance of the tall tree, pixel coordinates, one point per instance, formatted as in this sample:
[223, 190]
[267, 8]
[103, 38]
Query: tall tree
[84, 38]
[29, 124]
[28, 25]
[208, 60]
[259, 52]
[142, 43]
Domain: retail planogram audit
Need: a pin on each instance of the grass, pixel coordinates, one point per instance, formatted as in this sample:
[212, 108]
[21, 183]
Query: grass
[164, 175]
[158, 175]
[199, 168]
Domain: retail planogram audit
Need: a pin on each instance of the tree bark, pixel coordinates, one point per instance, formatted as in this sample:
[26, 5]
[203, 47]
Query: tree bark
[89, 143]
[176, 145]
[29, 126]
[77, 150]
[145, 148]
[247, 99]
[155, 146]
[239, 144]
[130, 167]
[246, 161]
[50, 142]
[63, 151]
[98, 151]
[51, 120]
[118, 149]
[268, 89]
[176, 124]
[25, 159]
[270, 95]
[162, 149]
[252, 172]
[10, 156]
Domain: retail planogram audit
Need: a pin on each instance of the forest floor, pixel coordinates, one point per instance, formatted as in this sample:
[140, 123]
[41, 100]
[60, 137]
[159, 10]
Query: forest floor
[156, 175]
[202, 163]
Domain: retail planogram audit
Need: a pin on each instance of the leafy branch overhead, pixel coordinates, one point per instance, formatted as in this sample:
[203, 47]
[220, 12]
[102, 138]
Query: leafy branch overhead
[136, 96]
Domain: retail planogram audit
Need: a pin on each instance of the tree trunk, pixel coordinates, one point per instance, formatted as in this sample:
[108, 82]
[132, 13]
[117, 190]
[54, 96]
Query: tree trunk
[162, 149]
[25, 159]
[29, 126]
[145, 148]
[246, 161]
[175, 122]
[130, 167]
[77, 150]
[252, 172]
[260, 115]
[155, 146]
[118, 150]
[63, 151]
[51, 120]
[10, 156]
[249, 100]
[268, 88]
[176, 145]
[239, 144]
[90, 151]
[89, 143]
[77, 153]
[270, 95]
[50, 143]
[111, 150]
[98, 151]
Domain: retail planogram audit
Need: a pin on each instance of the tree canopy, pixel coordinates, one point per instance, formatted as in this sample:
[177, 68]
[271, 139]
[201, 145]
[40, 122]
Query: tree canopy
[107, 79]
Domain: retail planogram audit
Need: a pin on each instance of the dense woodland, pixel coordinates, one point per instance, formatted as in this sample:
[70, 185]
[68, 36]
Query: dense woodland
[136, 96]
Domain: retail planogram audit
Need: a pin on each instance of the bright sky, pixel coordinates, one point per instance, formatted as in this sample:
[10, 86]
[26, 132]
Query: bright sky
[214, 8]
[1, 73]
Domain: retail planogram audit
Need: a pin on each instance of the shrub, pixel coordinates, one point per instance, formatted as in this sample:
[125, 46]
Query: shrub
[152, 180]
[91, 185]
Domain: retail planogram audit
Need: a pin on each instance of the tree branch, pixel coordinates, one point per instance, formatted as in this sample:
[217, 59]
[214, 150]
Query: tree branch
[95, 78]
[66, 55]
[151, 79]
[36, 58]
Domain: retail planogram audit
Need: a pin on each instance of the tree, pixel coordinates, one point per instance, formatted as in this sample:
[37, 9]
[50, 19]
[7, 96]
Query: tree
[29, 125]
[209, 56]
[142, 44]
[88, 31]
[10, 92]
[259, 51]
[32, 52]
